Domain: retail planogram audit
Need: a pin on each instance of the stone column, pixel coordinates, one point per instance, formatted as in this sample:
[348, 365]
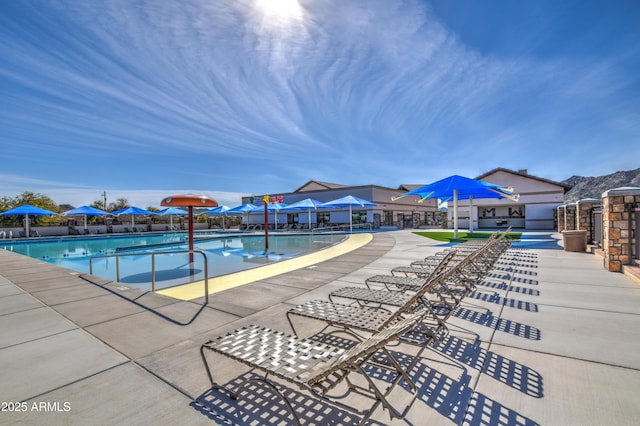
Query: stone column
[570, 217]
[583, 215]
[618, 214]
[560, 218]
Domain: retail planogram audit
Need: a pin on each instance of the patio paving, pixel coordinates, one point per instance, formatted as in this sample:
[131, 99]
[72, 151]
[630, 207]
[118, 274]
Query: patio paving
[551, 343]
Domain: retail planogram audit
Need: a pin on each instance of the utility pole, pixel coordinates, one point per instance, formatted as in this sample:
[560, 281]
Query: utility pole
[104, 197]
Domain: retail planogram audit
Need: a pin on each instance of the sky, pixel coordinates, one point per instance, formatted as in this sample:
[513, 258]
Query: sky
[144, 99]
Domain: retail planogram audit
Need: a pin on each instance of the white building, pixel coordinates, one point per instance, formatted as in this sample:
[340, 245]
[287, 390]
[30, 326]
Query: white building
[403, 213]
[536, 208]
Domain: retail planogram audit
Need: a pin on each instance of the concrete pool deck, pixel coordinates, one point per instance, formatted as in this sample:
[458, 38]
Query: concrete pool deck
[557, 344]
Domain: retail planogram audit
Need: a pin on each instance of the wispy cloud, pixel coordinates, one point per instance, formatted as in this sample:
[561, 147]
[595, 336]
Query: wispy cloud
[379, 91]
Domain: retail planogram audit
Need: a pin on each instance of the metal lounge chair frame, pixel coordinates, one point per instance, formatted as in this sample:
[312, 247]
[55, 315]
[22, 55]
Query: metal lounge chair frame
[449, 292]
[315, 366]
[490, 250]
[394, 282]
[352, 319]
[396, 295]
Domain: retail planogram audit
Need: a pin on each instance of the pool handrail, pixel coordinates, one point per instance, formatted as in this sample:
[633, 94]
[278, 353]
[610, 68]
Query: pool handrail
[153, 266]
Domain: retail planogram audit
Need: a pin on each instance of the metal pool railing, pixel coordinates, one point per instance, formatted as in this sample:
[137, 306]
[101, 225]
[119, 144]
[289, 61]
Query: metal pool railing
[153, 266]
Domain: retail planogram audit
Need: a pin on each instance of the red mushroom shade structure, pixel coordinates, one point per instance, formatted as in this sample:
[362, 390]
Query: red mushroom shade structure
[190, 201]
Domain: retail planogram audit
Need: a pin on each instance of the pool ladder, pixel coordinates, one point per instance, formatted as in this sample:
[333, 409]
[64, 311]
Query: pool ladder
[153, 266]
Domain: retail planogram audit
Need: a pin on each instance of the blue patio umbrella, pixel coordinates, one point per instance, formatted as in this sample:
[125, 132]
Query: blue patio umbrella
[461, 188]
[306, 204]
[349, 201]
[27, 210]
[133, 211]
[220, 210]
[171, 212]
[276, 207]
[245, 208]
[85, 211]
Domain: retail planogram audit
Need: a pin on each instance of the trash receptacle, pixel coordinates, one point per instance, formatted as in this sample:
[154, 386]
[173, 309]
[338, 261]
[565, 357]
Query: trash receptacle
[575, 240]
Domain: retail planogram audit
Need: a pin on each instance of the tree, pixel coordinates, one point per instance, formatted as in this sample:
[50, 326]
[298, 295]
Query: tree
[119, 204]
[6, 203]
[27, 197]
[35, 199]
[98, 204]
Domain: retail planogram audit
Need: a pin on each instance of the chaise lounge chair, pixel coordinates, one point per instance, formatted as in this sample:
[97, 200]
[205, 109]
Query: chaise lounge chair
[319, 368]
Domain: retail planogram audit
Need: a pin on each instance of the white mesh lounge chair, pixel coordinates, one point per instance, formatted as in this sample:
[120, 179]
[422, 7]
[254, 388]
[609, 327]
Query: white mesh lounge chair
[320, 368]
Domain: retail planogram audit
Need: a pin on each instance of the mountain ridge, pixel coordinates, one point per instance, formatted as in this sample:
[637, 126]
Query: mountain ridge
[593, 186]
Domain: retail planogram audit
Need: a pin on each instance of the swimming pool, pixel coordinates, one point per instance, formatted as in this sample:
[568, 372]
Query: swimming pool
[225, 254]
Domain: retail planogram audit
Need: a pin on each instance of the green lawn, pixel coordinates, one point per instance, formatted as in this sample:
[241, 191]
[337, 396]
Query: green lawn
[447, 236]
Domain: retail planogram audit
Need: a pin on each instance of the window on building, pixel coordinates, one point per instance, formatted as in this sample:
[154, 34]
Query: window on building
[359, 216]
[387, 218]
[324, 218]
[292, 218]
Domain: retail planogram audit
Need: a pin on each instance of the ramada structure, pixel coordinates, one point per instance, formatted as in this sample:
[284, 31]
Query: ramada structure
[535, 209]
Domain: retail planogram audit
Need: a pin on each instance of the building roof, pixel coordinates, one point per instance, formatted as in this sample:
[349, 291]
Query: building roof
[315, 185]
[410, 186]
[524, 173]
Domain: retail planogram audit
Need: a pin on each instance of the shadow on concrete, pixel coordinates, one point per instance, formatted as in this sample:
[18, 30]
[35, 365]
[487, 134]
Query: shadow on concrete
[504, 301]
[484, 411]
[504, 370]
[455, 399]
[161, 275]
[137, 297]
[258, 404]
[452, 398]
[510, 288]
[487, 319]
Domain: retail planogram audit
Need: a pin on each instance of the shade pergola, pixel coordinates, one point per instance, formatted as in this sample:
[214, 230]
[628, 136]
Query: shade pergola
[27, 210]
[171, 212]
[306, 204]
[219, 211]
[85, 211]
[456, 188]
[133, 211]
[190, 201]
[349, 201]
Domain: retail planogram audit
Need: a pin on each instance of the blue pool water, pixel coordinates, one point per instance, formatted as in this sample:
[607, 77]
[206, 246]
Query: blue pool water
[225, 254]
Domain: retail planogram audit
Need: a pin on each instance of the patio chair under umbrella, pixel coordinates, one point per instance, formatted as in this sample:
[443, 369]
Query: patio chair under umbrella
[27, 210]
[133, 211]
[461, 188]
[349, 201]
[245, 208]
[306, 204]
[220, 210]
[276, 207]
[171, 212]
[85, 211]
